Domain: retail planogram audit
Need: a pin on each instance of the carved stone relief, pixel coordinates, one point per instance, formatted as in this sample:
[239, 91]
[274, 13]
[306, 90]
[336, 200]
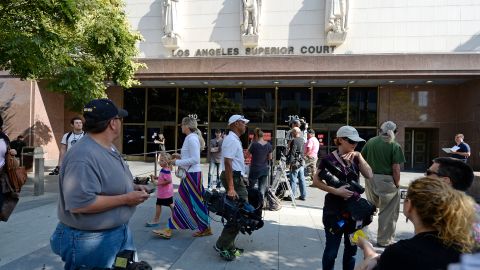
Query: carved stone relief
[336, 21]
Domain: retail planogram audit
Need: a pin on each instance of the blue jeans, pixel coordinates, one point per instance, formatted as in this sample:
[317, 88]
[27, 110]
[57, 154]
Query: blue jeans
[211, 170]
[259, 177]
[88, 249]
[331, 250]
[297, 176]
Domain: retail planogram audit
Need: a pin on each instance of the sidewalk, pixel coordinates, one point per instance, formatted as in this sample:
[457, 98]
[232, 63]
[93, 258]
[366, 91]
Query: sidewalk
[292, 238]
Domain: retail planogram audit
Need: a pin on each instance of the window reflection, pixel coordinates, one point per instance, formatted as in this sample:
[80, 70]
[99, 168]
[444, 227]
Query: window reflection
[161, 104]
[193, 102]
[363, 106]
[293, 102]
[133, 139]
[134, 103]
[225, 103]
[330, 105]
[259, 104]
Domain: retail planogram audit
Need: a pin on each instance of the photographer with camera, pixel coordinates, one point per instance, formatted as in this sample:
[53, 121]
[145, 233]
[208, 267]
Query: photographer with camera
[233, 164]
[339, 176]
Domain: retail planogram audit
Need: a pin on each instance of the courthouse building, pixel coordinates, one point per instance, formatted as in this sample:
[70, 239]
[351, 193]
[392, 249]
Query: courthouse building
[333, 62]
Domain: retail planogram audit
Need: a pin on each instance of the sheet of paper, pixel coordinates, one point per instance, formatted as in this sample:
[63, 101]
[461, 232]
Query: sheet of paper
[447, 150]
[455, 148]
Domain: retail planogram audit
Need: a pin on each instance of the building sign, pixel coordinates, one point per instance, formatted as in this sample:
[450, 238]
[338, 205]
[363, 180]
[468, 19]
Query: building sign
[257, 51]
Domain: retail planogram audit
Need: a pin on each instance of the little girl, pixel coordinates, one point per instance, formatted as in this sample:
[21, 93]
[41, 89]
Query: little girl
[164, 188]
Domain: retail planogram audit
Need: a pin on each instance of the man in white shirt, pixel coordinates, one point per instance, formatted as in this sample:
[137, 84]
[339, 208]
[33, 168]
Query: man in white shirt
[68, 140]
[233, 164]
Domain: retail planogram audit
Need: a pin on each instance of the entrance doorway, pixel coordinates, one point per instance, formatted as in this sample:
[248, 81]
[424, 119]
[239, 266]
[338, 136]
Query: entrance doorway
[421, 146]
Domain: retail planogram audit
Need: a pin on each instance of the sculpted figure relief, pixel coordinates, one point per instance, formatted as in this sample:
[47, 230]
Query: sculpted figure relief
[336, 16]
[251, 16]
[169, 17]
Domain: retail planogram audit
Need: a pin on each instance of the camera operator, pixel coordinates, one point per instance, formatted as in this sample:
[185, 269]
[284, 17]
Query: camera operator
[233, 164]
[97, 194]
[345, 163]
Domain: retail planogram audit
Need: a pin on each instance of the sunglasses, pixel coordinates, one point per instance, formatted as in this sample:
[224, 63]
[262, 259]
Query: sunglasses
[352, 142]
[430, 172]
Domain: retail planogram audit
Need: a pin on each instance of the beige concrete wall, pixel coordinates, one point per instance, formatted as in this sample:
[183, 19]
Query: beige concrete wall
[33, 112]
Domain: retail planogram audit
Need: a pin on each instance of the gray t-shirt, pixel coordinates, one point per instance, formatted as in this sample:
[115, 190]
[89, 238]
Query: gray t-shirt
[216, 156]
[89, 170]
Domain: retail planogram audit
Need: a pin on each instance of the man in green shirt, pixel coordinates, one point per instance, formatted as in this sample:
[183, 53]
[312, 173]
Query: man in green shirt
[384, 155]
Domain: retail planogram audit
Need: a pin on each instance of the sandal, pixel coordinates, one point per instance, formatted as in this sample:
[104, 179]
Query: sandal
[206, 232]
[165, 234]
[152, 224]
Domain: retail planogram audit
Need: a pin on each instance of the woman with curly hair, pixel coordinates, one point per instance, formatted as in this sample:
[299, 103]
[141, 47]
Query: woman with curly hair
[442, 218]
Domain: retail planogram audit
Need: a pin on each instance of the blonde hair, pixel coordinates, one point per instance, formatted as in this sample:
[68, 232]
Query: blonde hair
[448, 211]
[166, 156]
[258, 132]
[191, 123]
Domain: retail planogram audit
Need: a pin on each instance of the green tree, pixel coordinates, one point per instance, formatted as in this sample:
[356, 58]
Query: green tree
[73, 45]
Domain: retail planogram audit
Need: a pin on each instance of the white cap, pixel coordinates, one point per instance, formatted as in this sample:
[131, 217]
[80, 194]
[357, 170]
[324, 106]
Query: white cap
[236, 117]
[388, 125]
[349, 132]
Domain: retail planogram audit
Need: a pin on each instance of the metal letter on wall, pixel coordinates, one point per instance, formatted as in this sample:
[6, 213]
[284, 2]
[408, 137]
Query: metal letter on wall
[170, 24]
[250, 22]
[336, 21]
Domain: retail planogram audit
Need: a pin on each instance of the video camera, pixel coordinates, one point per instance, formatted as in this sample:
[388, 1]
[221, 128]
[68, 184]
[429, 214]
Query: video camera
[331, 175]
[358, 211]
[238, 213]
[125, 260]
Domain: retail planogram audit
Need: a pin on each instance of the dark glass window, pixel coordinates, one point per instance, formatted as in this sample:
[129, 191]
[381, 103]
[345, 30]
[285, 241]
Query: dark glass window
[161, 104]
[134, 103]
[259, 104]
[225, 102]
[193, 102]
[366, 134]
[330, 105]
[293, 102]
[363, 106]
[133, 139]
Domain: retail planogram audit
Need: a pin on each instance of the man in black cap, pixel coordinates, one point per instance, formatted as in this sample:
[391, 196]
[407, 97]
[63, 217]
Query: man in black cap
[97, 194]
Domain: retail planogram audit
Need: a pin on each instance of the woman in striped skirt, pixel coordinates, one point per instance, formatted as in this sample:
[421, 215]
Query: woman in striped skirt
[189, 211]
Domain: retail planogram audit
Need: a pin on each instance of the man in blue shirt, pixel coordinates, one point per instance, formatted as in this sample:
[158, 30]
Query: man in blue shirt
[463, 151]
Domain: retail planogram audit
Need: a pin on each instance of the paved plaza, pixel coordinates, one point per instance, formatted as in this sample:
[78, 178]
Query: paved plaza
[292, 238]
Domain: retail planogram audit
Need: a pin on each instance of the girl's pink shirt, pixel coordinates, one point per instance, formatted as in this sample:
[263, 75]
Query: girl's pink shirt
[164, 191]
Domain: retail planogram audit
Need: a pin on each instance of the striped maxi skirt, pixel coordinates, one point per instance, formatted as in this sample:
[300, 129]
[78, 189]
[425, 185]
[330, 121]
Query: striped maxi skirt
[189, 211]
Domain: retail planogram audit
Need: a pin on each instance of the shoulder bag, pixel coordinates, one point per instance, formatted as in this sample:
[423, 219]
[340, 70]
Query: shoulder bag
[17, 175]
[180, 172]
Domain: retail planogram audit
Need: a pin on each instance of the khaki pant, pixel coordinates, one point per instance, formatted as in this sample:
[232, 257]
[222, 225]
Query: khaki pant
[382, 191]
[230, 231]
[311, 166]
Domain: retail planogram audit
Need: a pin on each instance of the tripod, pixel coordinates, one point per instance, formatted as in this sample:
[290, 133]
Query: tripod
[279, 177]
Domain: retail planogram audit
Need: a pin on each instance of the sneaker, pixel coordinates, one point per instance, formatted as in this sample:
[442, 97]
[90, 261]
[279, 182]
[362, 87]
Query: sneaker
[301, 198]
[55, 171]
[229, 255]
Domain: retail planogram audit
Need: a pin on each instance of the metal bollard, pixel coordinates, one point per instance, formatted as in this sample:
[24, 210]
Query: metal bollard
[39, 169]
[155, 169]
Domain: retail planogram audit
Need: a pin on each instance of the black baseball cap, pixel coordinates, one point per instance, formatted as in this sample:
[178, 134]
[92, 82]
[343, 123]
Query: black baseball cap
[102, 109]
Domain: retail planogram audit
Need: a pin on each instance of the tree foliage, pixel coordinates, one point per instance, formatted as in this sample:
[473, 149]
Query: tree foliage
[74, 45]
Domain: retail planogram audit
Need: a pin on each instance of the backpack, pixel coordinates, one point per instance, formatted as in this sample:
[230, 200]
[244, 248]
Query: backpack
[271, 202]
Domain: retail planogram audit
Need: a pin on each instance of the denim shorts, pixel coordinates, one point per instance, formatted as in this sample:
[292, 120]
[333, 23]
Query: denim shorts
[81, 249]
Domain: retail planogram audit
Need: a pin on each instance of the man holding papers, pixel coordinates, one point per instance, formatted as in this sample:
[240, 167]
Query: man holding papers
[461, 150]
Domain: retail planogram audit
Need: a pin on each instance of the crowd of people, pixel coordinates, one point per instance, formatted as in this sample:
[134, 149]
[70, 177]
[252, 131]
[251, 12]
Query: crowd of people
[98, 198]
